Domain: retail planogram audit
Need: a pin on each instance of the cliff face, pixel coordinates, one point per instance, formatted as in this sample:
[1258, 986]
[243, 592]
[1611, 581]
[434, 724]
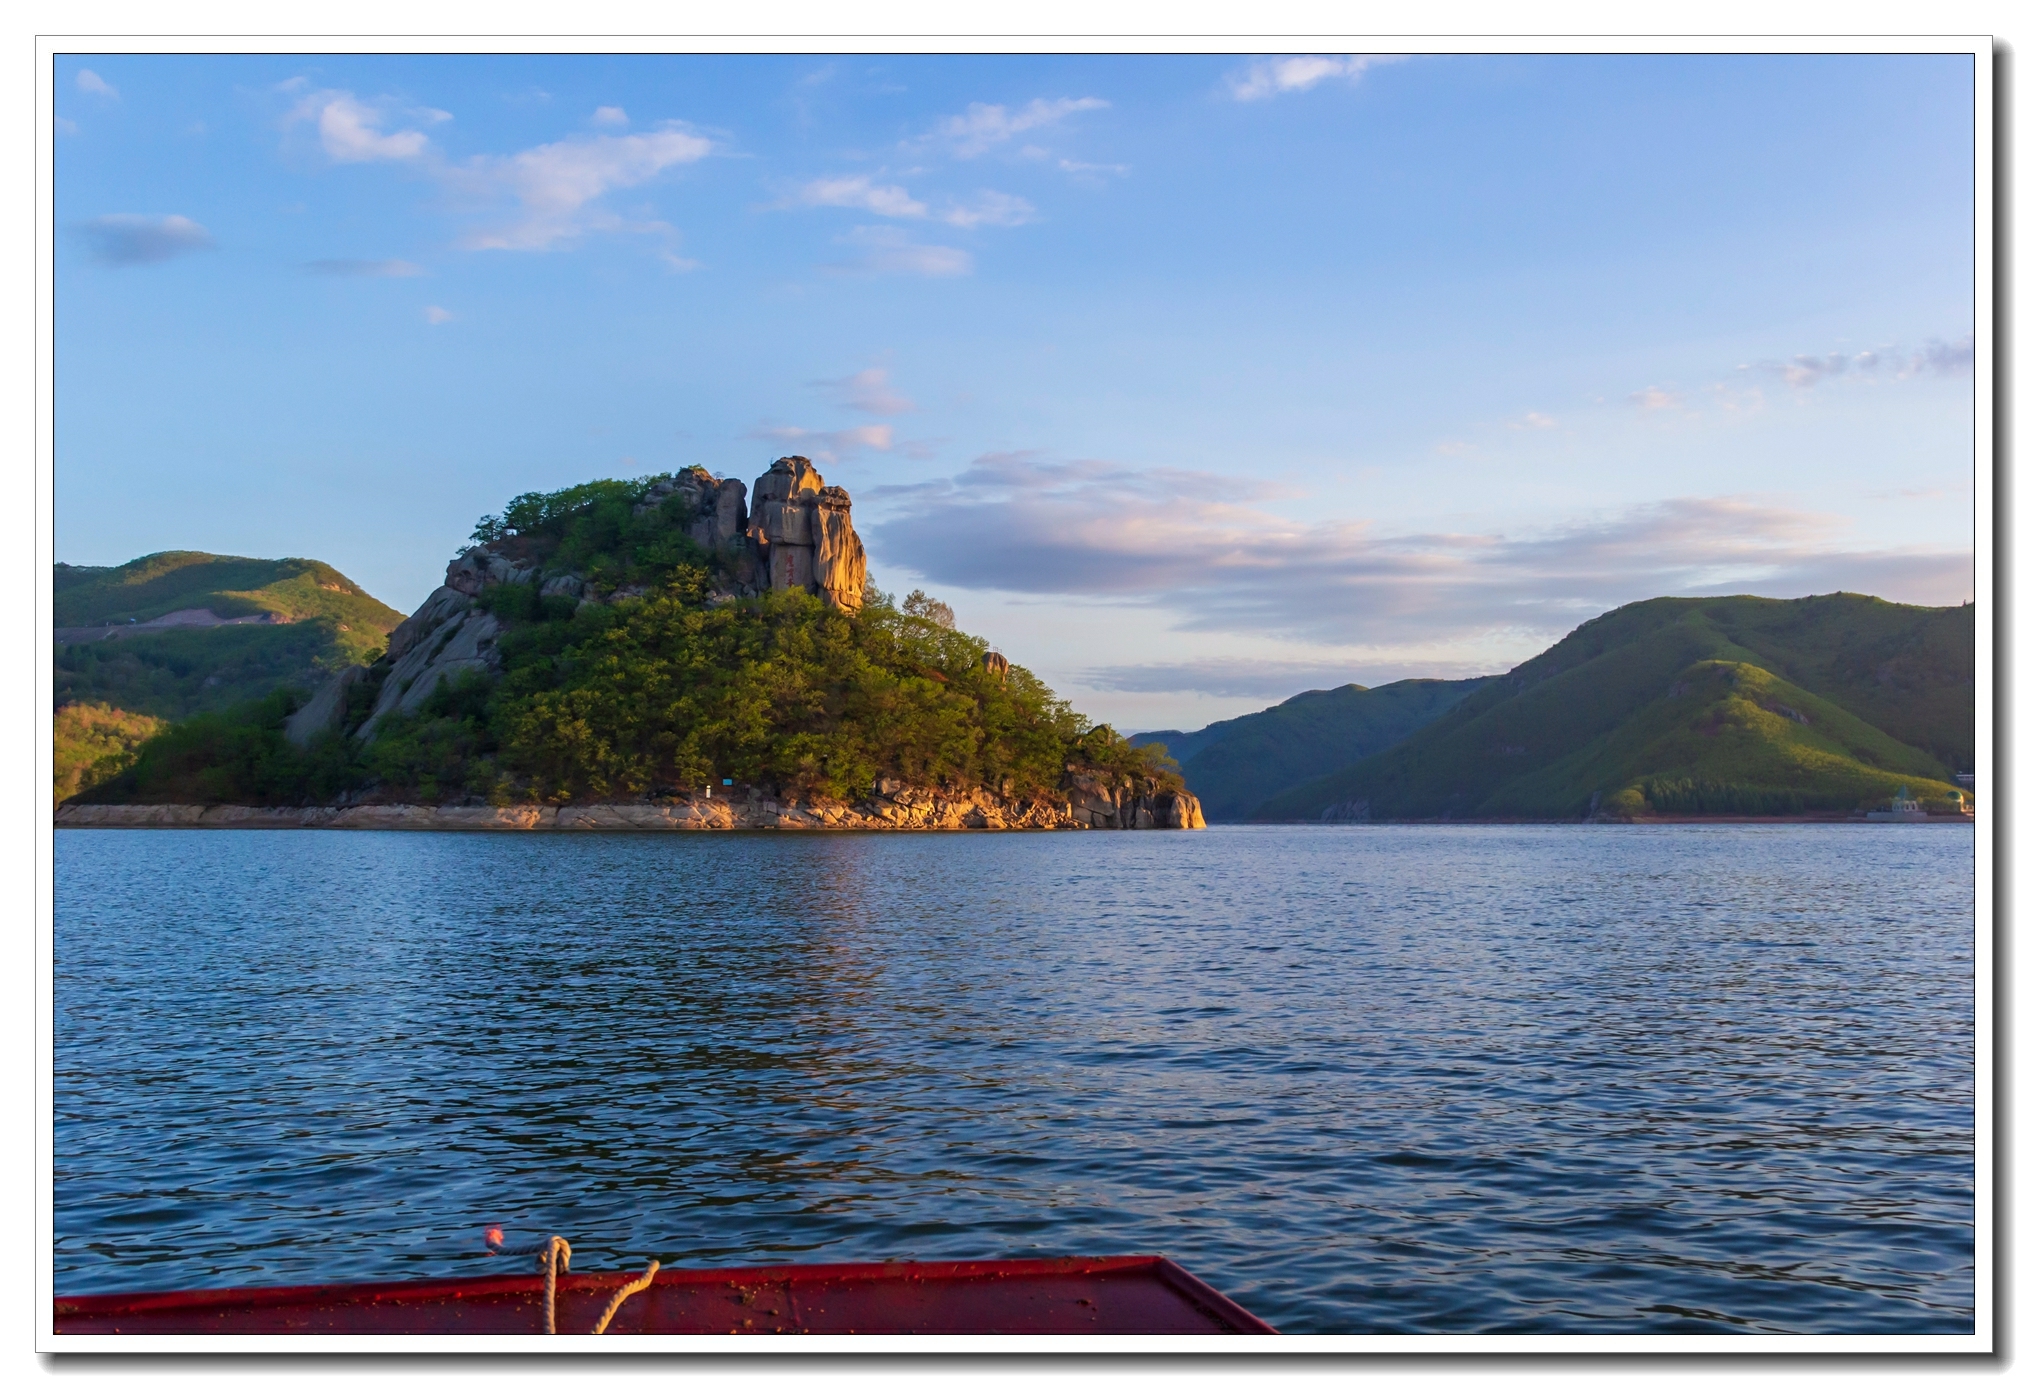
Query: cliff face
[803, 533]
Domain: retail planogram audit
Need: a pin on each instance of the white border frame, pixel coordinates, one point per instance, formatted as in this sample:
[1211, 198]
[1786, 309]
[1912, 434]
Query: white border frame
[1980, 47]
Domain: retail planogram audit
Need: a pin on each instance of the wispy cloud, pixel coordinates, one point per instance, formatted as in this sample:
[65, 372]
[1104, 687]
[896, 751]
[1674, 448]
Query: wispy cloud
[91, 82]
[861, 193]
[858, 191]
[889, 251]
[365, 269]
[1223, 677]
[985, 127]
[435, 316]
[557, 186]
[1241, 677]
[867, 391]
[131, 238]
[828, 445]
[1655, 398]
[350, 130]
[1265, 77]
[65, 126]
[1534, 419]
[1202, 547]
[989, 209]
[1935, 357]
[554, 190]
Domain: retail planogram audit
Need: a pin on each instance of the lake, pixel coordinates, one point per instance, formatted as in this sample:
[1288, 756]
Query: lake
[1415, 1079]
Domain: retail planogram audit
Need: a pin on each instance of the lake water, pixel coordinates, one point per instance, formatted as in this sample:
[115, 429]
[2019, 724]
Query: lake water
[1414, 1079]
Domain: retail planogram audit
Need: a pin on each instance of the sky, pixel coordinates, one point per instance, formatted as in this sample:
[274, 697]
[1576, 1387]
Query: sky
[1191, 382]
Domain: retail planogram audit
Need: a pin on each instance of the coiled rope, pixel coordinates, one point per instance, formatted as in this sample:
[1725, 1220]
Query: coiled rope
[554, 1253]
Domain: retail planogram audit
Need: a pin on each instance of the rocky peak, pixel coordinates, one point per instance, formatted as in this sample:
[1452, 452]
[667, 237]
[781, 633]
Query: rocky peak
[802, 532]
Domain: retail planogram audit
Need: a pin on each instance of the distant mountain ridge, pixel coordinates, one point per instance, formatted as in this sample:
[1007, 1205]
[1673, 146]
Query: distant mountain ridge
[1737, 705]
[197, 631]
[1235, 765]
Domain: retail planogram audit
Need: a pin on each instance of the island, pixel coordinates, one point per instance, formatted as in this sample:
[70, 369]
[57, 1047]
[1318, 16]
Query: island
[668, 652]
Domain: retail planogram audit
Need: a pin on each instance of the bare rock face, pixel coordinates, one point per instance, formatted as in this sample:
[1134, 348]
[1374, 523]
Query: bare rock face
[1096, 805]
[802, 531]
[325, 713]
[446, 636]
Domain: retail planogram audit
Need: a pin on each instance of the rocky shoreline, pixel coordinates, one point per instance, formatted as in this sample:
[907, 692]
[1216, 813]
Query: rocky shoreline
[904, 810]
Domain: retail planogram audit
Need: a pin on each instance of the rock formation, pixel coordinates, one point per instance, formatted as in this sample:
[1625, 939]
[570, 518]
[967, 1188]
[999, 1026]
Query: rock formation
[802, 532]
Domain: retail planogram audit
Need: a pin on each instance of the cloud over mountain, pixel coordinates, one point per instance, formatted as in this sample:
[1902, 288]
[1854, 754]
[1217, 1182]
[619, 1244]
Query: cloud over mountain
[1204, 548]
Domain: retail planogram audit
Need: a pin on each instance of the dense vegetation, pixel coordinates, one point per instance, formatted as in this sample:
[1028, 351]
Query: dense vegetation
[1235, 765]
[663, 691]
[95, 743]
[1733, 705]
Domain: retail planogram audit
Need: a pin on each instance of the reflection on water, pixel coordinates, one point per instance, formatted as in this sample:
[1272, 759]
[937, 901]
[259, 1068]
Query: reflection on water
[1372, 1080]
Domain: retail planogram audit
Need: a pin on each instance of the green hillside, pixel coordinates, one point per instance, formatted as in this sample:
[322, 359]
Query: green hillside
[325, 622]
[1676, 705]
[294, 590]
[1235, 765]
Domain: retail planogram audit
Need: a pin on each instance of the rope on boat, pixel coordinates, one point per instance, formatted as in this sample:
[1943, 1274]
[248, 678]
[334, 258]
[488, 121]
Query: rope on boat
[554, 1253]
[638, 1284]
[557, 1252]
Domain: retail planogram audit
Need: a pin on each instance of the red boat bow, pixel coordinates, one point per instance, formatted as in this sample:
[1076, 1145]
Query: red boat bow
[1042, 1296]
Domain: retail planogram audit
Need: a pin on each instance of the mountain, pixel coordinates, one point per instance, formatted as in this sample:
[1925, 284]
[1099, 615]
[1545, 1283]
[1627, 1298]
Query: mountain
[1235, 765]
[1735, 705]
[180, 632]
[652, 645]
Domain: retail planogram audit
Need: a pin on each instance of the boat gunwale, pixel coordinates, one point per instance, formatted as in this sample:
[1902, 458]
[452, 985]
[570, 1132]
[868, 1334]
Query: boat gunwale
[1204, 1297]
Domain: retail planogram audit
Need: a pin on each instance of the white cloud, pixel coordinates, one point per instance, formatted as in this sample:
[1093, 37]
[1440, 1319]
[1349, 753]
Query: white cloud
[366, 269]
[861, 193]
[130, 238]
[881, 199]
[868, 391]
[827, 445]
[349, 129]
[65, 126]
[990, 209]
[434, 315]
[983, 127]
[1534, 420]
[1267, 77]
[1202, 548]
[887, 251]
[89, 81]
[610, 116]
[557, 184]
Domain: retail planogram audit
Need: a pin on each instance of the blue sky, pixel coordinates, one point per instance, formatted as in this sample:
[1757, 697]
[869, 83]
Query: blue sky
[1190, 381]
